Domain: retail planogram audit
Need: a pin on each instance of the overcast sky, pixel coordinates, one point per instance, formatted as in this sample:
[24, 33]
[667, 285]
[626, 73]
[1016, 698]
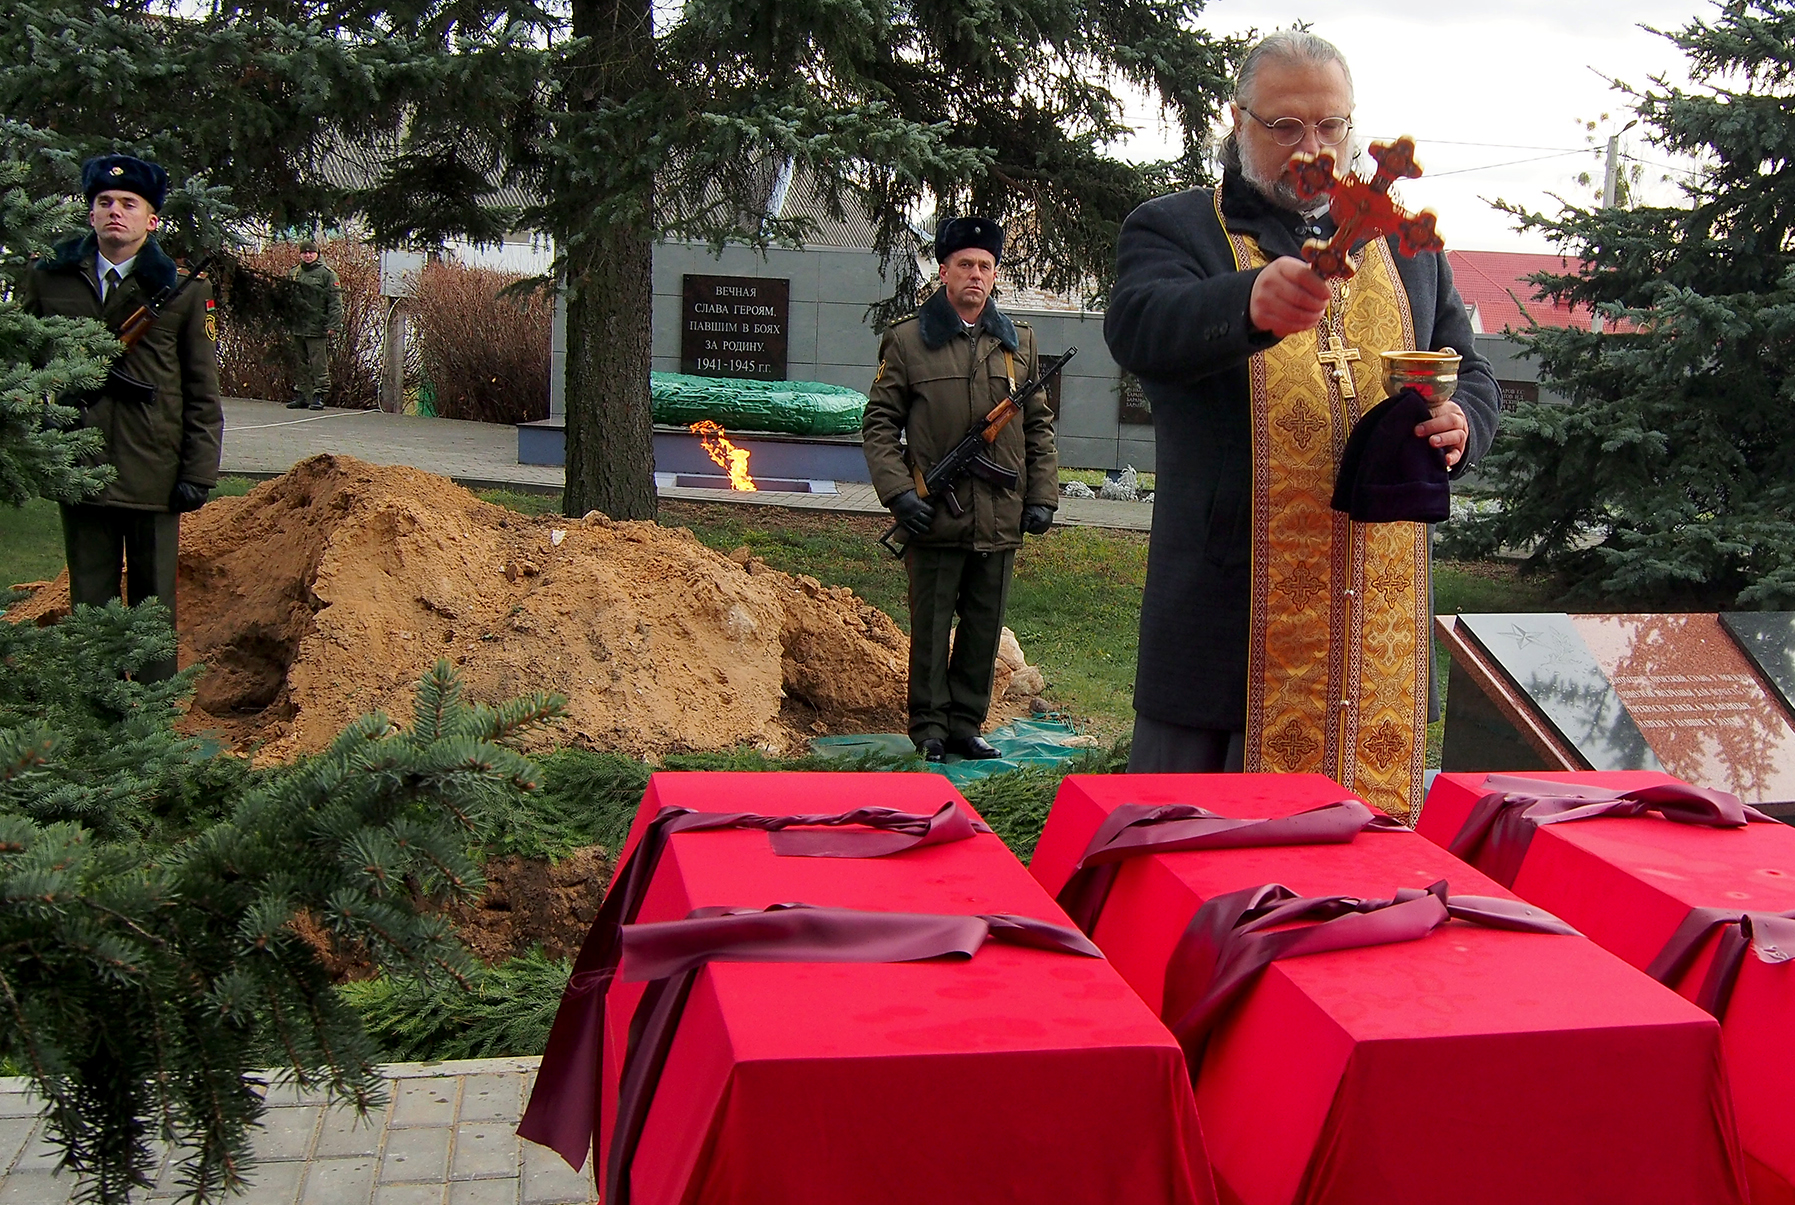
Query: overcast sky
[1515, 76]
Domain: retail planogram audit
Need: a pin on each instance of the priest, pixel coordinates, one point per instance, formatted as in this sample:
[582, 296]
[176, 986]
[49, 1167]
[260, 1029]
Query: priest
[1278, 634]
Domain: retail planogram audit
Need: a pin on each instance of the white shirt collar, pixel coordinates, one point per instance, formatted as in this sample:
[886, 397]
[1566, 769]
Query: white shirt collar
[103, 265]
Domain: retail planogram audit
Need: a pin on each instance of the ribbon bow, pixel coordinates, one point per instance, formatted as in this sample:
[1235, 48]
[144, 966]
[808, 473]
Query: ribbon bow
[563, 1108]
[669, 955]
[1234, 937]
[1139, 828]
[1495, 836]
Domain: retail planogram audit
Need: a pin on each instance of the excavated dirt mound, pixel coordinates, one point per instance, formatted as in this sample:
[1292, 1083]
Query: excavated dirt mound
[328, 591]
[532, 902]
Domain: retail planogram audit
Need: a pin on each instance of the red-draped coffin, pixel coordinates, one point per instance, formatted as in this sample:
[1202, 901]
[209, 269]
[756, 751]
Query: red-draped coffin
[1475, 1066]
[1628, 883]
[1022, 1075]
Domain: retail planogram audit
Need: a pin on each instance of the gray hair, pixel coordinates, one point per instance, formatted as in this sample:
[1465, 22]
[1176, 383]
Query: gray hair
[1295, 46]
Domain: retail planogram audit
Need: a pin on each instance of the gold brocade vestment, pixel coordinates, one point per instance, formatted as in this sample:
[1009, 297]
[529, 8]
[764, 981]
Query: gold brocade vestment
[1337, 650]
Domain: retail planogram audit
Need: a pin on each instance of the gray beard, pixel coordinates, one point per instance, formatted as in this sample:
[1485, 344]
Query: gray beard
[1282, 193]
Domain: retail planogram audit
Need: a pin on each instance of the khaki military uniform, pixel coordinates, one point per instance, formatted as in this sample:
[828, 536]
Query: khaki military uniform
[314, 312]
[154, 438]
[935, 380]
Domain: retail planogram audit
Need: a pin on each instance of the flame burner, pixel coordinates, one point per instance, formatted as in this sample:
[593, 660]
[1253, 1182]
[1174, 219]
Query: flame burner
[729, 458]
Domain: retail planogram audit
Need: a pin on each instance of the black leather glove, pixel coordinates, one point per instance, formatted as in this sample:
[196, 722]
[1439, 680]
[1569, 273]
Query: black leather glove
[188, 496]
[1036, 519]
[913, 512]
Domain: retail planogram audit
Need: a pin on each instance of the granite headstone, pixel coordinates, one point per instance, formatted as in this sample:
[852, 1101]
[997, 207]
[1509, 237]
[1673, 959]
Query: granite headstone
[1682, 693]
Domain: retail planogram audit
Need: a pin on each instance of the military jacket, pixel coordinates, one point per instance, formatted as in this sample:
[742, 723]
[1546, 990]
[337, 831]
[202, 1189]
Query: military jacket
[315, 304]
[935, 381]
[177, 436]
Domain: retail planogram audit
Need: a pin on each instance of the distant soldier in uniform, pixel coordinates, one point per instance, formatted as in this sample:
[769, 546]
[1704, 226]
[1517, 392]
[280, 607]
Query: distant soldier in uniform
[159, 410]
[314, 316]
[941, 370]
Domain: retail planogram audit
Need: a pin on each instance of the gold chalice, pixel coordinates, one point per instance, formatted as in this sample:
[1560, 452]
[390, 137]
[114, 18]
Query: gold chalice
[1432, 374]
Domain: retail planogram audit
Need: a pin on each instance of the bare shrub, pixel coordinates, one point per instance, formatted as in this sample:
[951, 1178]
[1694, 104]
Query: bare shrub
[486, 357]
[256, 356]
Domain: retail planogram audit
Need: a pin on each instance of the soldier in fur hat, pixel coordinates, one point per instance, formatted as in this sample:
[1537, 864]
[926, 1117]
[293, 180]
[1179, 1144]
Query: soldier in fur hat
[159, 411]
[940, 370]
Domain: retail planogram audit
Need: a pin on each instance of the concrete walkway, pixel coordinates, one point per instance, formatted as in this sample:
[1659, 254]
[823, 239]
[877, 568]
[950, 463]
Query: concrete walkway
[446, 1137]
[264, 438]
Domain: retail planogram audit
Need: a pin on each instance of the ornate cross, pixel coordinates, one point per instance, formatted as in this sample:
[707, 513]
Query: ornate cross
[1362, 209]
[1337, 356]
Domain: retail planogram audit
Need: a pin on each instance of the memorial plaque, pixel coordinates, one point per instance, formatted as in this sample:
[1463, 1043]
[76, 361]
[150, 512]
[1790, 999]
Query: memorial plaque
[735, 326]
[1544, 656]
[1622, 692]
[1701, 704]
[1768, 638]
[1132, 403]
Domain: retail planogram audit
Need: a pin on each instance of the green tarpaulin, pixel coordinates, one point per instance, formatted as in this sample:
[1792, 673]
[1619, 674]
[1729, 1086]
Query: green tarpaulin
[792, 407]
[1022, 743]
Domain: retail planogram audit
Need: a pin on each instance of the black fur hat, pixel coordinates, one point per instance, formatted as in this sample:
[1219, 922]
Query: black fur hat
[126, 174]
[957, 234]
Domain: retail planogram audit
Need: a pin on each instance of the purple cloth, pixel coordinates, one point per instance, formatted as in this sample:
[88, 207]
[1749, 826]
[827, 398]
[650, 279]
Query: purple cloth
[1234, 937]
[1769, 935]
[1138, 828]
[1387, 473]
[669, 954]
[563, 1107]
[1495, 836]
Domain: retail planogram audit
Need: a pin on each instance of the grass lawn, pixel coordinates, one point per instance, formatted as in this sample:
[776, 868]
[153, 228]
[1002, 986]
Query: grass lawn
[1074, 604]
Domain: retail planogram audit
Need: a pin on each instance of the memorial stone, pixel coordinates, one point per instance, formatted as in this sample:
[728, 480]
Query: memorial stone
[735, 326]
[1675, 692]
[1768, 638]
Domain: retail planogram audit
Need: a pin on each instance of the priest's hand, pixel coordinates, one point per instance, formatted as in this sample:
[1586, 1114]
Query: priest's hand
[1287, 297]
[1447, 430]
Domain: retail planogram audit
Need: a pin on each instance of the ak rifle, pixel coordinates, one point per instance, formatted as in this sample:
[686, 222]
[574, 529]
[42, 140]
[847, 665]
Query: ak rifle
[969, 455]
[138, 324]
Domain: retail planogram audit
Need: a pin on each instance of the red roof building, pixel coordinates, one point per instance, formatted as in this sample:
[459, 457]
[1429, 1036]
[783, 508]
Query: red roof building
[1495, 287]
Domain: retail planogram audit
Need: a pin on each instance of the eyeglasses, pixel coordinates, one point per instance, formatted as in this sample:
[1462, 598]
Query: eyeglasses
[1288, 131]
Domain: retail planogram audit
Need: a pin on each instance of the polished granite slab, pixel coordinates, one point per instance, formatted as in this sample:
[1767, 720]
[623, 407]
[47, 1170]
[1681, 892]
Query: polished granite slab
[1706, 711]
[1684, 693]
[1768, 638]
[1546, 659]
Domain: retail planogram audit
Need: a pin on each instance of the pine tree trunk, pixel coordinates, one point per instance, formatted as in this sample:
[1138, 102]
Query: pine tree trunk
[610, 422]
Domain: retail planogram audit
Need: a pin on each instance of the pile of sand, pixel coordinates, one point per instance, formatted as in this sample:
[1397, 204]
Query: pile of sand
[327, 593]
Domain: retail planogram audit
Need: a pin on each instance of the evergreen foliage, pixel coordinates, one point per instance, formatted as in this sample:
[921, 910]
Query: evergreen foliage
[140, 978]
[1670, 478]
[505, 1010]
[41, 443]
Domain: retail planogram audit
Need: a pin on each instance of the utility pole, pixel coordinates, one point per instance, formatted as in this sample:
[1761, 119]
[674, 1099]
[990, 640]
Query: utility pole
[1610, 191]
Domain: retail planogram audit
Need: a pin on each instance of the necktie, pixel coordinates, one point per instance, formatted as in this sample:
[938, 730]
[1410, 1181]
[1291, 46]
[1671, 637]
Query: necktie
[113, 280]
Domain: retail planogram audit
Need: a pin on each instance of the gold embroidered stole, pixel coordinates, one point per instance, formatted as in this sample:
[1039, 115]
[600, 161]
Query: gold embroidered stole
[1338, 640]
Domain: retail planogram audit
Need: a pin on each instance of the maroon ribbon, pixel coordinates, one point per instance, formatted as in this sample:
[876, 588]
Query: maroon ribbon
[1140, 828]
[1495, 836]
[669, 954]
[1234, 937]
[1769, 935]
[563, 1108]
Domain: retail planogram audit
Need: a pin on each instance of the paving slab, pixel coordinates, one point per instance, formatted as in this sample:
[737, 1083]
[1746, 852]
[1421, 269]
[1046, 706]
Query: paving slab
[446, 1135]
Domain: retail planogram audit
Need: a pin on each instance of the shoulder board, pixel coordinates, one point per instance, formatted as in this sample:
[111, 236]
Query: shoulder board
[910, 317]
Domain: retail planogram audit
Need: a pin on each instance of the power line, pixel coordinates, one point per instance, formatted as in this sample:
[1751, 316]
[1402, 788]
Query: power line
[1500, 146]
[1493, 166]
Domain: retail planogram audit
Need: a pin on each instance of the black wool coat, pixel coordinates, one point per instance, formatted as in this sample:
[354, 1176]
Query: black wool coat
[1177, 319]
